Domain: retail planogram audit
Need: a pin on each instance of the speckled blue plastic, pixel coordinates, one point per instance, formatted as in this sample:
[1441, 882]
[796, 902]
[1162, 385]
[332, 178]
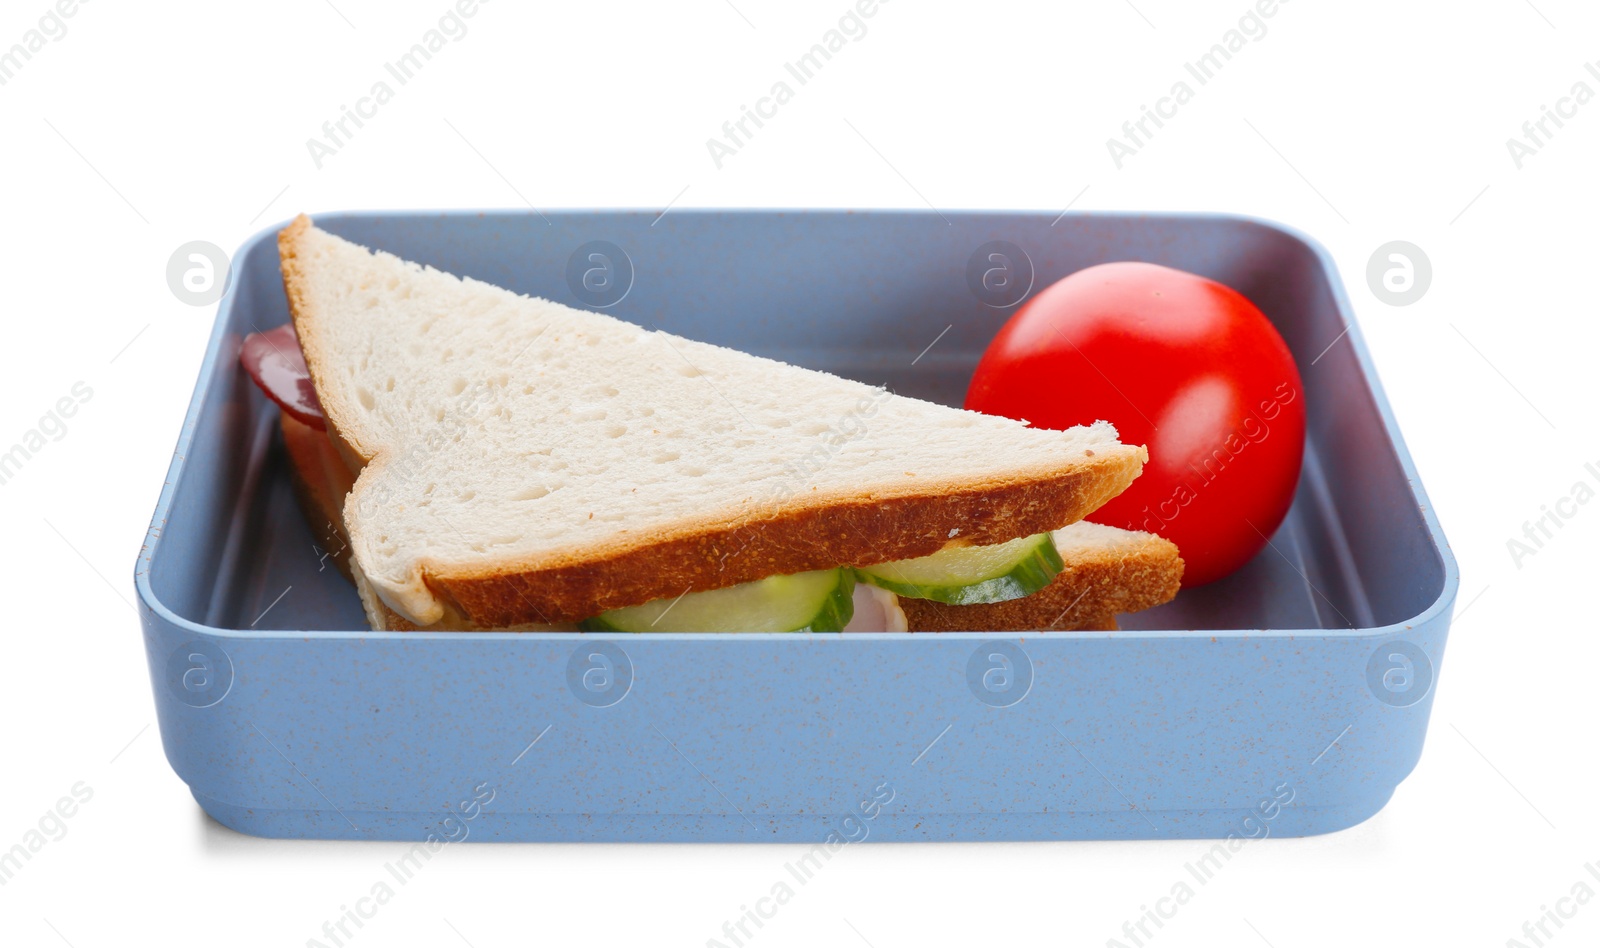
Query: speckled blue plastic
[1288, 699]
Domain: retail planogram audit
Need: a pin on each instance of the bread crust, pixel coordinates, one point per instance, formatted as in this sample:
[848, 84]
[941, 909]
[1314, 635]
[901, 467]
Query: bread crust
[804, 533]
[308, 328]
[823, 533]
[1095, 586]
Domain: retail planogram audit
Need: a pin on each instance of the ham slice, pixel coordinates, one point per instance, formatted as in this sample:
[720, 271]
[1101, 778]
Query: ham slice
[274, 361]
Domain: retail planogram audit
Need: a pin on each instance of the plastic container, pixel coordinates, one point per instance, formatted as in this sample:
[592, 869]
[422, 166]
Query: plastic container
[1288, 699]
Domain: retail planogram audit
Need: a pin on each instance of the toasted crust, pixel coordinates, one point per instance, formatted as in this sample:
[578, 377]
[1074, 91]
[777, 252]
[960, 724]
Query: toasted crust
[1086, 595]
[1105, 623]
[862, 531]
[817, 532]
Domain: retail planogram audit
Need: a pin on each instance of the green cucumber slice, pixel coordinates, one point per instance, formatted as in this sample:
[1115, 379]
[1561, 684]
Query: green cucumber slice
[970, 575]
[818, 601]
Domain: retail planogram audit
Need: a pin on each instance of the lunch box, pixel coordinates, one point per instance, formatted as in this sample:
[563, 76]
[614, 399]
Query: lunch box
[1287, 699]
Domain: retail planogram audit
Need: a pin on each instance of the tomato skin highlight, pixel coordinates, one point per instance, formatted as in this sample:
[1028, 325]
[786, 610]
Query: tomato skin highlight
[1179, 363]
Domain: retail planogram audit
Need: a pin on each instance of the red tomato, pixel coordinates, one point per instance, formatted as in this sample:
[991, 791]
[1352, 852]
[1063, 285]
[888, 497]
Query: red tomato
[1181, 364]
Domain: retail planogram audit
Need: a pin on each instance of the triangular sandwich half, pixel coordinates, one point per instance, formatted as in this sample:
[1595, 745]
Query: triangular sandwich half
[521, 461]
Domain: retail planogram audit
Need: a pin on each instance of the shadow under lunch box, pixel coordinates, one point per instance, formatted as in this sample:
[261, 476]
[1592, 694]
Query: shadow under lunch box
[1288, 699]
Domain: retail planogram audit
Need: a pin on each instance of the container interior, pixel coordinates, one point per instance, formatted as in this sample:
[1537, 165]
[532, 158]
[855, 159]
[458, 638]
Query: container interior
[860, 294]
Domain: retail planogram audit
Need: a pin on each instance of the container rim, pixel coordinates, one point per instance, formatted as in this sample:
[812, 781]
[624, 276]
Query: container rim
[1352, 330]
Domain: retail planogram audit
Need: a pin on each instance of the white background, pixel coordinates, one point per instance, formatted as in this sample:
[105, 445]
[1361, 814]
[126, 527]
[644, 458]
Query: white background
[147, 126]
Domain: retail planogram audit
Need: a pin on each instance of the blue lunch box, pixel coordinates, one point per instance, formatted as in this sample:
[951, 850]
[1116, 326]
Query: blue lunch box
[1288, 699]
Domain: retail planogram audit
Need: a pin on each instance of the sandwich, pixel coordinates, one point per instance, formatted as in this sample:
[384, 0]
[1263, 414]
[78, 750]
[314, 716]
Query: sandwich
[474, 459]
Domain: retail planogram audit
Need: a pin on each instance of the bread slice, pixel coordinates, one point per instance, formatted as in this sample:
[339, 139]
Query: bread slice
[522, 461]
[1108, 571]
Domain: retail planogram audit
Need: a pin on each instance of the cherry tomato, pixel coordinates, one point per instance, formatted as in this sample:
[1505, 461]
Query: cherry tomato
[1181, 364]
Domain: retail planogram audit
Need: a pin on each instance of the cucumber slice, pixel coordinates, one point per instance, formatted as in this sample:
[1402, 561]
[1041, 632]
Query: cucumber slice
[818, 601]
[970, 575]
